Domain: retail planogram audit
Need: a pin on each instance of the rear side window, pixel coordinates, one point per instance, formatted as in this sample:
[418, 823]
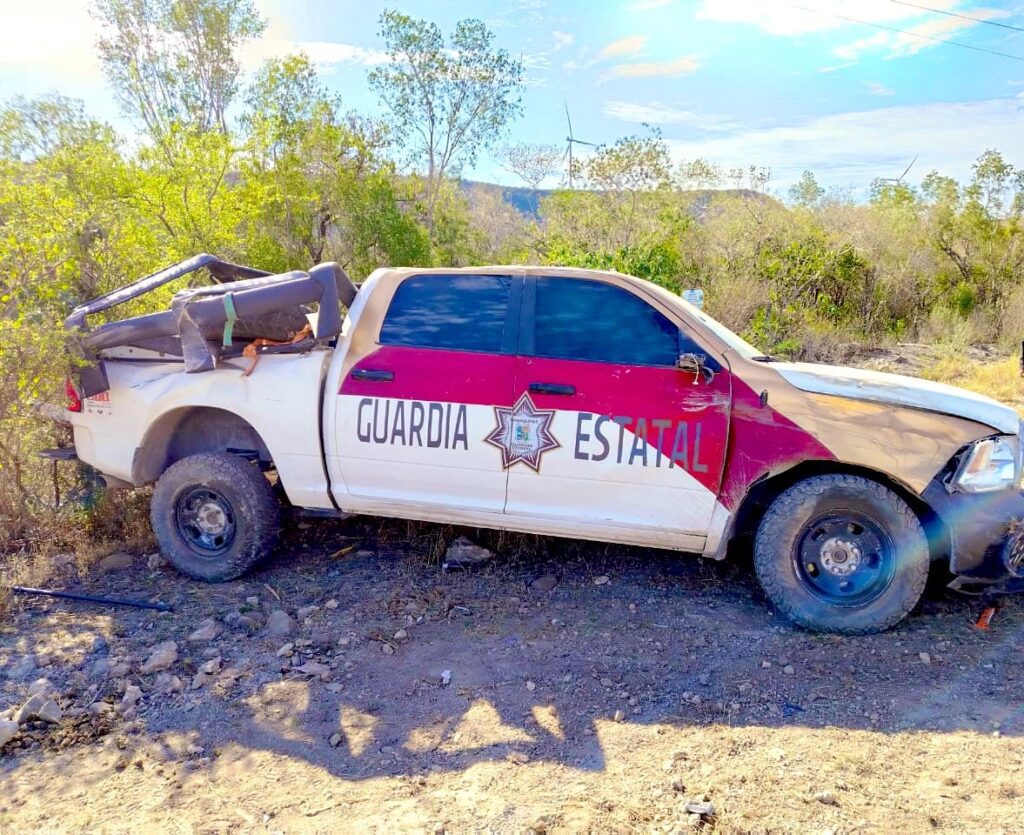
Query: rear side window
[458, 312]
[579, 319]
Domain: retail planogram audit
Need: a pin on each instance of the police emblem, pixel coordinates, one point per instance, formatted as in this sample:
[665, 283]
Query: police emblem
[523, 433]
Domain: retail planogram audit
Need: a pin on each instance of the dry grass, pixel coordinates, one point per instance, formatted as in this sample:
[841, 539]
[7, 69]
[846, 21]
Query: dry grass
[1001, 380]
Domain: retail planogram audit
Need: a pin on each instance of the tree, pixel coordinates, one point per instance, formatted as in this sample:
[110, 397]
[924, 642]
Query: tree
[448, 101]
[806, 191]
[171, 62]
[532, 163]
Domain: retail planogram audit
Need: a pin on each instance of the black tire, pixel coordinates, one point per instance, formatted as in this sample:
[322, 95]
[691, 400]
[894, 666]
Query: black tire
[807, 519]
[227, 489]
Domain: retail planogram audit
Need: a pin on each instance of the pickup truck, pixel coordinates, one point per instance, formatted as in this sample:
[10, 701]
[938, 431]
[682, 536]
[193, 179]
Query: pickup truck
[564, 402]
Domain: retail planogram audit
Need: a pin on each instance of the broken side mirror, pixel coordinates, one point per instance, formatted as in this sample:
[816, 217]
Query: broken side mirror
[696, 364]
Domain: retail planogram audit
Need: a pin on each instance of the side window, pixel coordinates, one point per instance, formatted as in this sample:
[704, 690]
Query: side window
[458, 312]
[579, 319]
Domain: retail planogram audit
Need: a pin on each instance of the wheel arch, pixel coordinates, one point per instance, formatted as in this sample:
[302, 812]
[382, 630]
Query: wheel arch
[189, 430]
[766, 489]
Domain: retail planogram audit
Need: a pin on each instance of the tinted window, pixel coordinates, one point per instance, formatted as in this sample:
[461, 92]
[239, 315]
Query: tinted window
[461, 312]
[589, 320]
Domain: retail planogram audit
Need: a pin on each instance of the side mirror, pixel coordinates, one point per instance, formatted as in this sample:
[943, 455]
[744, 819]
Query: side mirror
[696, 364]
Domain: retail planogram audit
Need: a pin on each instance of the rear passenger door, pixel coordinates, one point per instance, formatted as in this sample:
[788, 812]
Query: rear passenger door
[415, 408]
[626, 439]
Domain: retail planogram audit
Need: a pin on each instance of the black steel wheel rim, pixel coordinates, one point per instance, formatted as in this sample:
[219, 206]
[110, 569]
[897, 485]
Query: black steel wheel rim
[844, 558]
[205, 520]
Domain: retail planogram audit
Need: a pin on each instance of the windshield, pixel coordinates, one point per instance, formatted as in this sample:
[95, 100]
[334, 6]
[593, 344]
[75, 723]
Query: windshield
[736, 343]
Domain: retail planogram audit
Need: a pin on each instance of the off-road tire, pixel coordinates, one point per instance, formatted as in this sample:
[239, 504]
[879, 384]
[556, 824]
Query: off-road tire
[256, 514]
[785, 520]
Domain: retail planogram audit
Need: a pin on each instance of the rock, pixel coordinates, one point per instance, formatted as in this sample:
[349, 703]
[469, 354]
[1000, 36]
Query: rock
[99, 644]
[43, 660]
[22, 668]
[120, 670]
[154, 562]
[925, 657]
[766, 665]
[41, 687]
[100, 669]
[162, 656]
[41, 707]
[335, 740]
[462, 553]
[279, 624]
[545, 583]
[314, 668]
[607, 682]
[132, 694]
[331, 604]
[305, 611]
[387, 649]
[602, 580]
[401, 635]
[8, 729]
[114, 562]
[789, 670]
[286, 651]
[253, 600]
[194, 750]
[531, 686]
[827, 798]
[206, 631]
[446, 678]
[168, 684]
[619, 716]
[518, 757]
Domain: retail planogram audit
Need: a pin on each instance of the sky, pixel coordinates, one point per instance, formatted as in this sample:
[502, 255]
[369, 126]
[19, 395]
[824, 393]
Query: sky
[849, 90]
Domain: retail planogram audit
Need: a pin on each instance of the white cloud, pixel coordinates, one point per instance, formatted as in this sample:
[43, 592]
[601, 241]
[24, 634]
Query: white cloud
[856, 147]
[324, 54]
[923, 35]
[655, 113]
[647, 5]
[630, 45]
[58, 37]
[877, 88]
[562, 40]
[684, 65]
[779, 17]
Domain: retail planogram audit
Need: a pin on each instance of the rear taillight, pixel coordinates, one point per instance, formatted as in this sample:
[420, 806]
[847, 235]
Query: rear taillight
[74, 400]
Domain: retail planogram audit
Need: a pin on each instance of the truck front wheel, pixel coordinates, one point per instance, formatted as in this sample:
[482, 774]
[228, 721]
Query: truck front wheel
[841, 553]
[214, 516]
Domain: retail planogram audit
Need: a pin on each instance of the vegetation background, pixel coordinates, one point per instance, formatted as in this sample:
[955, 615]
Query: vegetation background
[274, 171]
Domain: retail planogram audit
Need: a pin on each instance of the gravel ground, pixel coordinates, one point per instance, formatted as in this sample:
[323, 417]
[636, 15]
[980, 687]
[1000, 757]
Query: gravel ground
[354, 685]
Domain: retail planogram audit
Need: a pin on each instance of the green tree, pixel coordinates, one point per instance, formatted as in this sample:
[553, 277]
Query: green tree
[806, 191]
[448, 100]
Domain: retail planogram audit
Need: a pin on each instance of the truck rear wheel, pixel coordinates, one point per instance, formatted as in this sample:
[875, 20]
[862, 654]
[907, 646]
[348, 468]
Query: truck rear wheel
[214, 515]
[841, 553]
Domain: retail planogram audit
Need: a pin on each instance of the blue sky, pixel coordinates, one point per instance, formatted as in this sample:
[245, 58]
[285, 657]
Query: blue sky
[790, 85]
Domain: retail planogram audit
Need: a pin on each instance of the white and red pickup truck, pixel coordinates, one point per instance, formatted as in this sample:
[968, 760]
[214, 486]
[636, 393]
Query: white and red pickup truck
[566, 402]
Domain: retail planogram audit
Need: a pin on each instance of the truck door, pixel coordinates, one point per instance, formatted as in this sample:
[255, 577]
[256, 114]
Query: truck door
[415, 406]
[626, 438]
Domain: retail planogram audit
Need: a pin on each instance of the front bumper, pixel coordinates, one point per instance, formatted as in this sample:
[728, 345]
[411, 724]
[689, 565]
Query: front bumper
[985, 531]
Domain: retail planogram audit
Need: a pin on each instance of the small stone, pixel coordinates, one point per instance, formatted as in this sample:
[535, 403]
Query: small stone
[206, 631]
[545, 583]
[335, 740]
[211, 667]
[100, 669]
[766, 665]
[99, 644]
[518, 757]
[606, 682]
[279, 624]
[168, 684]
[331, 604]
[195, 750]
[154, 562]
[120, 669]
[446, 678]
[306, 611]
[827, 798]
[619, 716]
[745, 687]
[401, 635]
[43, 660]
[286, 651]
[39, 706]
[114, 562]
[531, 686]
[132, 694]
[387, 649]
[160, 658]
[462, 553]
[253, 600]
[602, 580]
[789, 670]
[314, 668]
[925, 657]
[22, 668]
[41, 687]
[8, 729]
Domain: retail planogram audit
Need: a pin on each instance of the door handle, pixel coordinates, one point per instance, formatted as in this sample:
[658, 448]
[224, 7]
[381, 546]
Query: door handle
[375, 374]
[552, 388]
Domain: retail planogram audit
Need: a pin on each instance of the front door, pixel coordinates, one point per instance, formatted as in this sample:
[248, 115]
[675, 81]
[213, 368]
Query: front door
[614, 435]
[414, 410]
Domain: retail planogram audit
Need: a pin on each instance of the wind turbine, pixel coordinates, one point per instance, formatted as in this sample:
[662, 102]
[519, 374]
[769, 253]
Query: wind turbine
[899, 180]
[570, 141]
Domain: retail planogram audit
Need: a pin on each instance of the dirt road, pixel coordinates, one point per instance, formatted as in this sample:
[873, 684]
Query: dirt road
[352, 686]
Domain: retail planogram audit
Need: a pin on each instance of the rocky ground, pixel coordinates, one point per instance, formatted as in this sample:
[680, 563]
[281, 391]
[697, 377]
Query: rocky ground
[354, 685]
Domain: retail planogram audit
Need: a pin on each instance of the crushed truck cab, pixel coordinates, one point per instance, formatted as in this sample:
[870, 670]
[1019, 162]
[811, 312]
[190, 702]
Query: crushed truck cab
[566, 402]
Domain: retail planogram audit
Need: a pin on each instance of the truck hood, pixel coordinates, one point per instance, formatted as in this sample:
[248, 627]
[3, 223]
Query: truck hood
[898, 390]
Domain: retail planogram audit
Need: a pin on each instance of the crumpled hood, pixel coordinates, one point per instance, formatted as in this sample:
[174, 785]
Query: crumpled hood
[898, 390]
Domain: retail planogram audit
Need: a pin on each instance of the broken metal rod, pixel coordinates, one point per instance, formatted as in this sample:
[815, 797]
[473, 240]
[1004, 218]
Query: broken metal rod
[88, 598]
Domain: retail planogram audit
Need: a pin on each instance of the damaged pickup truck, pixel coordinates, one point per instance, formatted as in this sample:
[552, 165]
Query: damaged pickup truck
[564, 402]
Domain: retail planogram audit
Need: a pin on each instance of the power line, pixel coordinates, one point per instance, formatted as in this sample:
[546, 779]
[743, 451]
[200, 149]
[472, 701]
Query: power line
[957, 14]
[906, 32]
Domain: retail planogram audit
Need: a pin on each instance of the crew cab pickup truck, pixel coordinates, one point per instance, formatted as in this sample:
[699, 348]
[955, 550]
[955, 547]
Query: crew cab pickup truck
[565, 402]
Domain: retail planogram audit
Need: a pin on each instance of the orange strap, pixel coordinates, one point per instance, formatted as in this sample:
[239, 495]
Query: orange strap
[251, 351]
